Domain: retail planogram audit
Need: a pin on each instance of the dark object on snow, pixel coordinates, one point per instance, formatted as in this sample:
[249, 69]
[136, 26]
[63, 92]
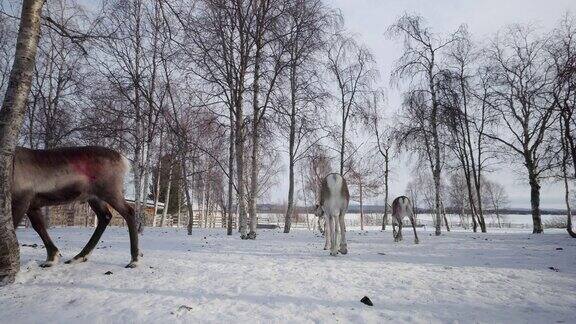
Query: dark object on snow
[267, 226]
[365, 300]
[108, 272]
[184, 307]
[559, 249]
[553, 269]
[30, 245]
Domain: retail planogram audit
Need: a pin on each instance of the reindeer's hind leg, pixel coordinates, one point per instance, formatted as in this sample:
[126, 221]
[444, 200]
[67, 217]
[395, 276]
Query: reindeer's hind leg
[394, 231]
[413, 221]
[53, 255]
[128, 213]
[333, 235]
[398, 233]
[343, 243]
[104, 216]
[394, 227]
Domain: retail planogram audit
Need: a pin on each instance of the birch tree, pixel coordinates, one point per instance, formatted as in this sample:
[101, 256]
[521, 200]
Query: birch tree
[269, 62]
[129, 63]
[463, 96]
[383, 140]
[496, 198]
[420, 66]
[562, 54]
[351, 66]
[219, 48]
[308, 22]
[522, 103]
[11, 119]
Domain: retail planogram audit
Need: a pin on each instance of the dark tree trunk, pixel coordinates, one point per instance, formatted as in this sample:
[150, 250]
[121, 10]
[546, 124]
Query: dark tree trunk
[290, 207]
[386, 173]
[436, 172]
[567, 199]
[361, 208]
[291, 151]
[471, 202]
[566, 143]
[342, 143]
[11, 118]
[239, 150]
[189, 205]
[535, 201]
[445, 218]
[230, 225]
[252, 201]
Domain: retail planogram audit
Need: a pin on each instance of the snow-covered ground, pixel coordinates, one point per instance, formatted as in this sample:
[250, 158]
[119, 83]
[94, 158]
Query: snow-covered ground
[506, 276]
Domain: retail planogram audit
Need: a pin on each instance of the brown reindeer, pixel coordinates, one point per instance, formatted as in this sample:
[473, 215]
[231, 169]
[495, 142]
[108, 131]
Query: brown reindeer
[61, 176]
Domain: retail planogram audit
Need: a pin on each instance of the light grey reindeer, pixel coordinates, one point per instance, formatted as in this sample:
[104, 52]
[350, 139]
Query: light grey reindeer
[401, 207]
[334, 199]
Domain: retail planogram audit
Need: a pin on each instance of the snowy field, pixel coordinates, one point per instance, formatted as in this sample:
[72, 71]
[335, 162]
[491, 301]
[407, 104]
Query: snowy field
[508, 276]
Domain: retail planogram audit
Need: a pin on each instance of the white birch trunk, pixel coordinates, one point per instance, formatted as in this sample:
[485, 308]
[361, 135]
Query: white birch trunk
[157, 193]
[11, 118]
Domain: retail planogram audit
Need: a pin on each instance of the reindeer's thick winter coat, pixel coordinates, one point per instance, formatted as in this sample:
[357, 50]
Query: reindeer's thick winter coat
[334, 199]
[60, 176]
[401, 207]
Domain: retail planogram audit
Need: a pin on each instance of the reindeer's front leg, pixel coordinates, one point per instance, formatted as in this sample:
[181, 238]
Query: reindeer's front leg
[37, 220]
[321, 225]
[413, 221]
[326, 234]
[397, 221]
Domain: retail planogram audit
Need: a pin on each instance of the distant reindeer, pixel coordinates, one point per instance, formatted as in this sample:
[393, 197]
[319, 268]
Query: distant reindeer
[60, 176]
[334, 199]
[401, 207]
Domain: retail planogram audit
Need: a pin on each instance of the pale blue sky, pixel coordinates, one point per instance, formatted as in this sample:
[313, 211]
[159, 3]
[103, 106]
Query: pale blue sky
[369, 19]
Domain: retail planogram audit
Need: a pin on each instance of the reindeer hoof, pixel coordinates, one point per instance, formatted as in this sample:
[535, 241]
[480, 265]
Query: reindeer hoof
[132, 265]
[47, 264]
[416, 242]
[50, 263]
[332, 253]
[344, 250]
[75, 260]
